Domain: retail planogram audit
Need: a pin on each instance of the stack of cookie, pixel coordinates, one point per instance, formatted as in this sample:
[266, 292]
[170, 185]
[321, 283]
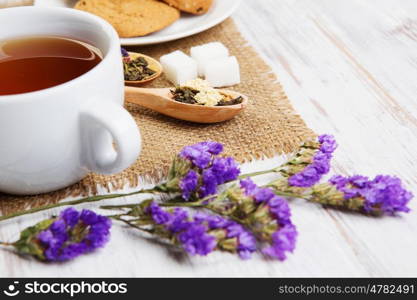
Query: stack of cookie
[132, 18]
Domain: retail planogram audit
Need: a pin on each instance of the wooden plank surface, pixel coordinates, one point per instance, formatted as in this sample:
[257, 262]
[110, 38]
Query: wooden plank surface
[350, 68]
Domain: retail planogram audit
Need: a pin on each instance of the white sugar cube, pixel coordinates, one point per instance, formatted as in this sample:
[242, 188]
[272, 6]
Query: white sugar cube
[222, 72]
[179, 67]
[206, 52]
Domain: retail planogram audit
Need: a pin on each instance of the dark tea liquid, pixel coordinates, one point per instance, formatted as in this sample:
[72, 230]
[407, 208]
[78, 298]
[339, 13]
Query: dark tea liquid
[36, 63]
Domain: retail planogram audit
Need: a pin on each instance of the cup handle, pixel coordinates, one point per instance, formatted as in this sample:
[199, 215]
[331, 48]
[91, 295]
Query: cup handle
[111, 139]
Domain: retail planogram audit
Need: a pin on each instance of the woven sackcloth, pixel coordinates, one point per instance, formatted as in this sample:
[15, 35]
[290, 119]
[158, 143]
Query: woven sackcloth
[268, 127]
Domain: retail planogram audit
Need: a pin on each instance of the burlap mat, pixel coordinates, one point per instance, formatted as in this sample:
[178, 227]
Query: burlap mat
[267, 127]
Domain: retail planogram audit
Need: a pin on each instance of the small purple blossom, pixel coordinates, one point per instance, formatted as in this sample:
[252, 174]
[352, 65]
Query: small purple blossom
[192, 236]
[196, 240]
[213, 147]
[124, 52]
[209, 186]
[201, 154]
[225, 169]
[248, 186]
[178, 221]
[159, 215]
[195, 234]
[283, 240]
[73, 234]
[328, 143]
[208, 171]
[384, 194]
[189, 184]
[246, 242]
[278, 206]
[222, 170]
[280, 209]
[320, 165]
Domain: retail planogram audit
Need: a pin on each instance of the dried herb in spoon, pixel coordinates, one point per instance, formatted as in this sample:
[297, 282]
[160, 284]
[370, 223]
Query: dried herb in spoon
[137, 69]
[185, 95]
[227, 102]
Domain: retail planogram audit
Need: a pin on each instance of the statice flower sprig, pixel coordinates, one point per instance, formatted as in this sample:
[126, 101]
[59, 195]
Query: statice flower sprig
[312, 168]
[198, 171]
[65, 237]
[267, 215]
[262, 213]
[197, 233]
[308, 165]
[383, 195]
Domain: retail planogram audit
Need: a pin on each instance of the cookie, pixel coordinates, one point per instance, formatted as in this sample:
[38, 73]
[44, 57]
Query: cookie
[132, 18]
[197, 7]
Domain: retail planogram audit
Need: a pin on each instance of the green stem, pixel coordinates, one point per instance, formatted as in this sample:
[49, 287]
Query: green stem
[291, 195]
[6, 244]
[183, 204]
[75, 202]
[111, 207]
[253, 174]
[127, 222]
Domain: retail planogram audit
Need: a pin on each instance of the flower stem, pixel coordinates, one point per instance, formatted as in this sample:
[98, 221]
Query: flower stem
[253, 174]
[6, 244]
[127, 222]
[75, 202]
[110, 207]
[183, 204]
[291, 195]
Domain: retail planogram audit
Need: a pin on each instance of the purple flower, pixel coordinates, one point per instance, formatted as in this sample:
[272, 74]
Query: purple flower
[159, 215]
[201, 154]
[213, 147]
[73, 234]
[209, 186]
[263, 195]
[306, 178]
[225, 169]
[320, 165]
[179, 221]
[124, 52]
[283, 240]
[280, 209]
[70, 216]
[197, 234]
[196, 240]
[192, 236]
[246, 241]
[248, 186]
[328, 143]
[189, 184]
[277, 206]
[207, 170]
[384, 194]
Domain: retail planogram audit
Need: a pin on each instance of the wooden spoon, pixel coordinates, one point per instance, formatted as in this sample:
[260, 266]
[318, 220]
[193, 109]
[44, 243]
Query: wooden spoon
[161, 100]
[153, 64]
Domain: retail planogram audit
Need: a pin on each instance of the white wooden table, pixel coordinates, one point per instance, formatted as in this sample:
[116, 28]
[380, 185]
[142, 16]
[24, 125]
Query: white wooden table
[350, 68]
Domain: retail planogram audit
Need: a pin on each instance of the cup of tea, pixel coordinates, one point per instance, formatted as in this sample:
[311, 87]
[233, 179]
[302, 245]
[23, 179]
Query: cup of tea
[61, 100]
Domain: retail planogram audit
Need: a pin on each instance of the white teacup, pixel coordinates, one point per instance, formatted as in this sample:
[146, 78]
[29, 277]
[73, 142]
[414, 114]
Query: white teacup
[52, 138]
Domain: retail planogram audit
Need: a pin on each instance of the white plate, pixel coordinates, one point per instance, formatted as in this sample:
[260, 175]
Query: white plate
[187, 25]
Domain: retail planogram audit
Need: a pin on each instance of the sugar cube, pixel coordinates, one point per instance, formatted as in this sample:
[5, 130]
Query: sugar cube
[179, 67]
[222, 72]
[206, 52]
